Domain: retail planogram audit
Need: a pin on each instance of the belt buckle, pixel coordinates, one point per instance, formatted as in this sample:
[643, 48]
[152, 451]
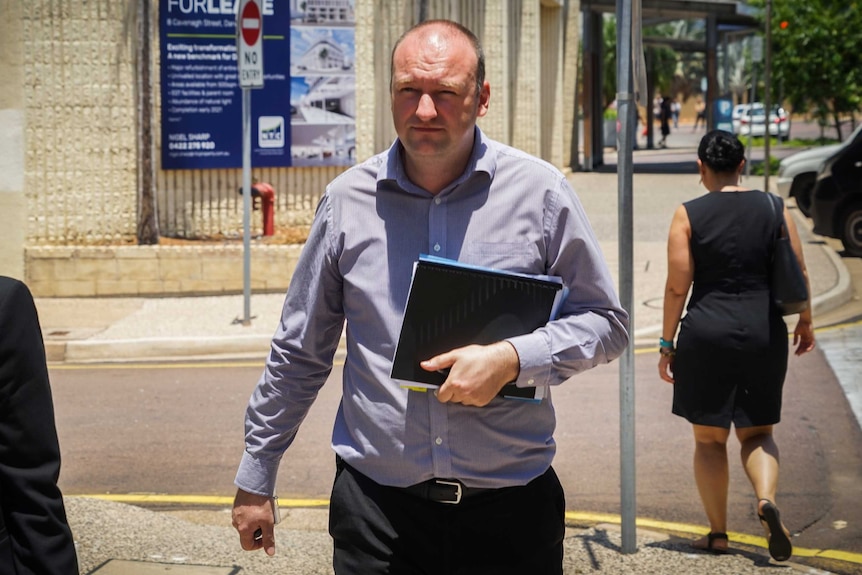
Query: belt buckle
[458, 490]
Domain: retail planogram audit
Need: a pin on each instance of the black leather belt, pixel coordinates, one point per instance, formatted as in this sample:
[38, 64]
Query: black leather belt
[444, 491]
[449, 491]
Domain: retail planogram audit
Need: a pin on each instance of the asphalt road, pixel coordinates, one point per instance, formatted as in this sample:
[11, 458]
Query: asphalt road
[178, 430]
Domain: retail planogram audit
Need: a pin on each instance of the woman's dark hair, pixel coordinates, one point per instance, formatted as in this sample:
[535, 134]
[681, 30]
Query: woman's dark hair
[721, 151]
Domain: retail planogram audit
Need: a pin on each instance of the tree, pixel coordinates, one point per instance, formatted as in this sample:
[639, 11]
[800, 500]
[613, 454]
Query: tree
[816, 61]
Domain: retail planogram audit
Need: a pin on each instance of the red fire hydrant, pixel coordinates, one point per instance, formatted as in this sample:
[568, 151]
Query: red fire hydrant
[266, 194]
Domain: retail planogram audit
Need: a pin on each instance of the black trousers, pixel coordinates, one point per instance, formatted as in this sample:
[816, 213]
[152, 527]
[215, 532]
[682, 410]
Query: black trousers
[381, 530]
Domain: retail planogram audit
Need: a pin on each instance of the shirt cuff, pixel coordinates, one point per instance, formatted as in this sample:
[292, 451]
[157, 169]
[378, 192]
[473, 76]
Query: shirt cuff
[256, 475]
[533, 354]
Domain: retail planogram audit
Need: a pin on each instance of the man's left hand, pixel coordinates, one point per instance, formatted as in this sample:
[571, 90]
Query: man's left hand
[477, 373]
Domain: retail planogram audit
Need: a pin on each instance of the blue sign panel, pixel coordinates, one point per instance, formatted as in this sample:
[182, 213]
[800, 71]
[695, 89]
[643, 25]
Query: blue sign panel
[723, 111]
[200, 94]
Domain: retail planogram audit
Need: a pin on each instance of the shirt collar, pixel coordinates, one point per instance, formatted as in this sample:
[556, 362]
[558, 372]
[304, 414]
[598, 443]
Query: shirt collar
[483, 158]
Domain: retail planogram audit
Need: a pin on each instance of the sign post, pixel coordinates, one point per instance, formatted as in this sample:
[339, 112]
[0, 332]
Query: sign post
[627, 112]
[756, 58]
[249, 27]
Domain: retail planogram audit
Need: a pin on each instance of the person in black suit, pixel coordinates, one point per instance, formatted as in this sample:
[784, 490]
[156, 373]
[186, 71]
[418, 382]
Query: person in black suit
[35, 538]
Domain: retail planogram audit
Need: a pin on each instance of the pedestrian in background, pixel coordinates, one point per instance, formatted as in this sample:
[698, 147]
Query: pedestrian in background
[459, 480]
[730, 360]
[35, 538]
[675, 108]
[664, 118]
[700, 114]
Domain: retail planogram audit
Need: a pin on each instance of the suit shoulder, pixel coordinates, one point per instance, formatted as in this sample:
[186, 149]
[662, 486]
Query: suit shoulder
[12, 289]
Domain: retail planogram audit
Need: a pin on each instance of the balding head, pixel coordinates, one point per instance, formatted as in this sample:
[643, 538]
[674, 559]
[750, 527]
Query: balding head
[437, 32]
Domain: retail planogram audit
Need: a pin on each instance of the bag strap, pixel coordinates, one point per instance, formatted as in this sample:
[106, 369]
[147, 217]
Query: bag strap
[778, 214]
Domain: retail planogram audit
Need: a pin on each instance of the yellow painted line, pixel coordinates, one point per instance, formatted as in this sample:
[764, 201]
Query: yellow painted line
[845, 556]
[744, 538]
[838, 326]
[155, 498]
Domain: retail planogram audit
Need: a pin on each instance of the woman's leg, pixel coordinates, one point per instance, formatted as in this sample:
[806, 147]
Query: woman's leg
[712, 477]
[760, 459]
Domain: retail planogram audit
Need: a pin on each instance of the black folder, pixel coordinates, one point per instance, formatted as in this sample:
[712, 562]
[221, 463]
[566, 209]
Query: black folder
[452, 304]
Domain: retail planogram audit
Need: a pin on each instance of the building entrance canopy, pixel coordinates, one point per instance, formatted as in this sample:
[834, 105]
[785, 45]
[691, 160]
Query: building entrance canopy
[722, 17]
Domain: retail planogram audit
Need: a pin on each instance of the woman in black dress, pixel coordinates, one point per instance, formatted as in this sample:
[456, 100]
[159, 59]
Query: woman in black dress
[729, 363]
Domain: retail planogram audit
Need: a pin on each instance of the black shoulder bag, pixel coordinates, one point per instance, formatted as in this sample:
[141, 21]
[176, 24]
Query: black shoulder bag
[787, 284]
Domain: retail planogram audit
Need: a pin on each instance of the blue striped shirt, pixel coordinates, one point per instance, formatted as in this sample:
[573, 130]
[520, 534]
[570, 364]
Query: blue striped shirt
[508, 210]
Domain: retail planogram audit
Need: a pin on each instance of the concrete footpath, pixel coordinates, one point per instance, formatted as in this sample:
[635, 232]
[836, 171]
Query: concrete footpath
[115, 538]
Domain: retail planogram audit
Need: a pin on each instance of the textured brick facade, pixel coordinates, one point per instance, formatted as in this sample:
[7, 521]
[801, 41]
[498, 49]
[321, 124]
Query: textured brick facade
[80, 149]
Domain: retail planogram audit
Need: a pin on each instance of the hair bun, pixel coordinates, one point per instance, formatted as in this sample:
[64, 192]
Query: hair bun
[721, 151]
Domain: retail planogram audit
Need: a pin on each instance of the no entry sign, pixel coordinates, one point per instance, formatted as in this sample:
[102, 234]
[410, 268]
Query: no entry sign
[250, 44]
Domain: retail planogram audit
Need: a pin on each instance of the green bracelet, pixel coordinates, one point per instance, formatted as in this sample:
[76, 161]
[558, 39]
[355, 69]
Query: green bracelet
[662, 342]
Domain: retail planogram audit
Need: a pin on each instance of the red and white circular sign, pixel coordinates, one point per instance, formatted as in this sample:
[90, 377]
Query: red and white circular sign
[250, 23]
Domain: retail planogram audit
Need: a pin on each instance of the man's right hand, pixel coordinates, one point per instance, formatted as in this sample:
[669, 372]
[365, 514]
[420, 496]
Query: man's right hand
[253, 512]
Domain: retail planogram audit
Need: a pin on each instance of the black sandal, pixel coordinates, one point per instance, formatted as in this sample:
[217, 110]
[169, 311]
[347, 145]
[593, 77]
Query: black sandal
[710, 543]
[780, 547]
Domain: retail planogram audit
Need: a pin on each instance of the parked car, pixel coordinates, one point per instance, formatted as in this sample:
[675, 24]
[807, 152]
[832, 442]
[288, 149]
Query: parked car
[751, 120]
[798, 172]
[836, 201]
[736, 114]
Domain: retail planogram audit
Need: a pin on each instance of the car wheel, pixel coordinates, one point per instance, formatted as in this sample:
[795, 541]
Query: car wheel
[801, 189]
[851, 230]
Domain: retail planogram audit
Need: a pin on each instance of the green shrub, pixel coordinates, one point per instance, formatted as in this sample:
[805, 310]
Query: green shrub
[757, 168]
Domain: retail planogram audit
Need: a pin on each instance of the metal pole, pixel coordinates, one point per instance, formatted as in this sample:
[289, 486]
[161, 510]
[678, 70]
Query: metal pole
[726, 64]
[750, 112]
[626, 113]
[246, 205]
[767, 97]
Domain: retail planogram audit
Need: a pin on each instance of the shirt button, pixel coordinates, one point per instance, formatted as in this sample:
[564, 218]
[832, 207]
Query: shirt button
[531, 381]
[436, 247]
[437, 201]
[438, 441]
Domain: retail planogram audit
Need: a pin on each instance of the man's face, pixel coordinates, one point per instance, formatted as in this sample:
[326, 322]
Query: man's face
[435, 102]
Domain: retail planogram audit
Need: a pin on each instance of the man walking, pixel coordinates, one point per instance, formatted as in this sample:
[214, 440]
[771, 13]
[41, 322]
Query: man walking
[458, 481]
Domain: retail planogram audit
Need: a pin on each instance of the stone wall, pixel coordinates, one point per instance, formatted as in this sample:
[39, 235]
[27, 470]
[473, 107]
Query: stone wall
[69, 271]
